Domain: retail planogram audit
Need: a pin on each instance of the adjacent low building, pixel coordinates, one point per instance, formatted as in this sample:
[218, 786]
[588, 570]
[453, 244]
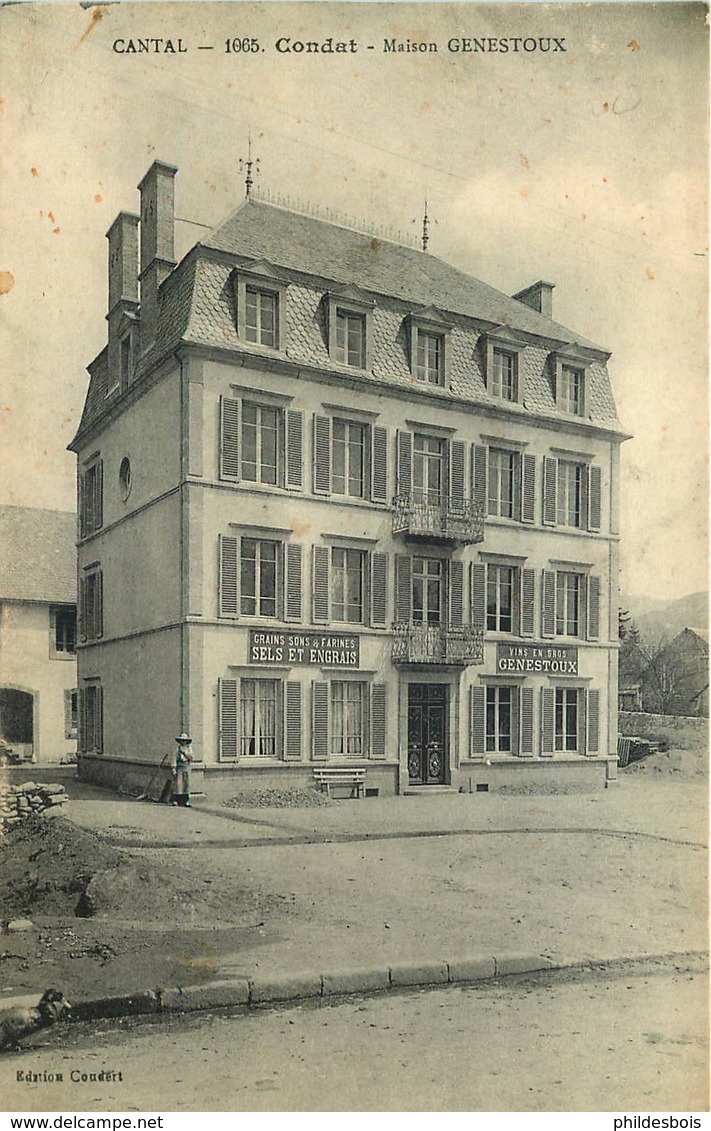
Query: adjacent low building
[341, 505]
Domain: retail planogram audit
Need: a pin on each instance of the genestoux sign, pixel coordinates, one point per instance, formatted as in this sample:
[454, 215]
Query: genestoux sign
[536, 659]
[326, 650]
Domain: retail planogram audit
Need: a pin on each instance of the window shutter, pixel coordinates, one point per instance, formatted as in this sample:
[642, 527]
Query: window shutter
[550, 486]
[292, 746]
[293, 581]
[319, 719]
[229, 438]
[378, 719]
[548, 603]
[456, 592]
[82, 609]
[379, 589]
[528, 592]
[294, 450]
[99, 495]
[229, 576]
[322, 455]
[229, 706]
[593, 721]
[582, 721]
[478, 595]
[404, 462]
[321, 583]
[526, 720]
[81, 504]
[67, 714]
[479, 457]
[593, 618]
[594, 497]
[456, 470]
[477, 711]
[528, 488]
[547, 720]
[403, 589]
[99, 719]
[82, 719]
[99, 605]
[379, 465]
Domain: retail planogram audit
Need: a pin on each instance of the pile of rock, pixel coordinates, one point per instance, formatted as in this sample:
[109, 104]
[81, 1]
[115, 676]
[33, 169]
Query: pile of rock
[17, 802]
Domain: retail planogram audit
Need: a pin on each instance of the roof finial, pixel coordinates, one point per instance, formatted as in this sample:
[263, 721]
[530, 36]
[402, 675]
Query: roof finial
[425, 228]
[246, 166]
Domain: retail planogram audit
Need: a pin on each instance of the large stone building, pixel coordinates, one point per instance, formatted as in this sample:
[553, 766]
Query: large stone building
[342, 505]
[38, 622]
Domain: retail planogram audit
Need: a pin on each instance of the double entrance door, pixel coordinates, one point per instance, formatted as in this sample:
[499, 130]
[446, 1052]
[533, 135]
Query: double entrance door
[426, 733]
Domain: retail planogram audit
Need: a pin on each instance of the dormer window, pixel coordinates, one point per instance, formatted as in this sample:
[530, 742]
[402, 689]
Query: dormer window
[503, 368]
[430, 358]
[261, 317]
[349, 317]
[428, 336]
[504, 382]
[260, 298]
[570, 379]
[350, 338]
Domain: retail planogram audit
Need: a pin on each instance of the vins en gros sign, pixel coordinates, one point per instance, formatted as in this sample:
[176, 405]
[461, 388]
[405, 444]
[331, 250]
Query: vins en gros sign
[324, 650]
[534, 659]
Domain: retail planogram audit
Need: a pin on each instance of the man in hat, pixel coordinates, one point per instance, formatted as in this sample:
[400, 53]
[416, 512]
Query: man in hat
[181, 771]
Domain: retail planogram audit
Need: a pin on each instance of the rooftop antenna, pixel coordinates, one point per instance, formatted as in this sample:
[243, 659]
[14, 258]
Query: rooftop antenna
[425, 228]
[246, 166]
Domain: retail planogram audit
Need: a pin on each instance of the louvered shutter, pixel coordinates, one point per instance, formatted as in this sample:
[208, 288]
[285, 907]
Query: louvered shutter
[67, 714]
[99, 495]
[99, 605]
[319, 719]
[404, 462]
[403, 589]
[229, 438]
[293, 580]
[229, 576]
[322, 455]
[99, 718]
[478, 595]
[227, 692]
[593, 618]
[294, 450]
[321, 583]
[479, 457]
[594, 497]
[477, 716]
[547, 720]
[379, 465]
[526, 720]
[378, 720]
[548, 603]
[528, 488]
[81, 503]
[582, 721]
[378, 589]
[593, 721]
[83, 627]
[82, 719]
[550, 486]
[528, 590]
[456, 593]
[292, 723]
[456, 471]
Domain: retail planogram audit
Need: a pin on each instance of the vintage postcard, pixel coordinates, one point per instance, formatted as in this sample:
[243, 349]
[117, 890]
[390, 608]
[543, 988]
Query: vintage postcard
[353, 558]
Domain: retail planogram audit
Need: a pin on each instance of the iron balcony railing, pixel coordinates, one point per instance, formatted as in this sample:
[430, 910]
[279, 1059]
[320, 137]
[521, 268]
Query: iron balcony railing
[437, 644]
[447, 517]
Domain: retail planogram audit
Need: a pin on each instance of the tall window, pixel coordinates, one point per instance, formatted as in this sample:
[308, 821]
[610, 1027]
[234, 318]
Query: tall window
[501, 482]
[91, 603]
[571, 493]
[566, 718]
[260, 322]
[347, 718]
[427, 590]
[504, 380]
[65, 629]
[91, 499]
[258, 578]
[500, 588]
[350, 338]
[498, 720]
[348, 459]
[258, 722]
[93, 728]
[570, 390]
[347, 568]
[568, 603]
[260, 428]
[430, 358]
[428, 468]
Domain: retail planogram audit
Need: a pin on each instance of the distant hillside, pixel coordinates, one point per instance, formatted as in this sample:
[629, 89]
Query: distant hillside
[657, 619]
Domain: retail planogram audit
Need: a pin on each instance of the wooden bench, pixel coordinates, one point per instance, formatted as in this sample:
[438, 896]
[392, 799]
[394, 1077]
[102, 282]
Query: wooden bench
[350, 776]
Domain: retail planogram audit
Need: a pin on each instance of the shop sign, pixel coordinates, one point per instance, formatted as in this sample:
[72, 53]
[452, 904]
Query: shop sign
[536, 659]
[326, 650]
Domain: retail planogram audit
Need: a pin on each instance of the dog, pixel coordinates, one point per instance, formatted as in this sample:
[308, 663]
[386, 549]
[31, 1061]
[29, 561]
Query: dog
[22, 1021]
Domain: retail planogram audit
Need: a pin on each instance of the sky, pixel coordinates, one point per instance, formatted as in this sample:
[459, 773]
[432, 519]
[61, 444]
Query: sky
[586, 167]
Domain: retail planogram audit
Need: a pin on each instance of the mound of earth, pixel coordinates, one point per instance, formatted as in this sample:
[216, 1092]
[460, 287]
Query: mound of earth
[684, 763]
[278, 799]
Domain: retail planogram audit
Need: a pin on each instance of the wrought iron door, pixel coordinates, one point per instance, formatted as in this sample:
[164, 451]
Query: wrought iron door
[427, 733]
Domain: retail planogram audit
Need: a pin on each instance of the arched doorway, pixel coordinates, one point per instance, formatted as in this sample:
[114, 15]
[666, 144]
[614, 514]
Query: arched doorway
[17, 721]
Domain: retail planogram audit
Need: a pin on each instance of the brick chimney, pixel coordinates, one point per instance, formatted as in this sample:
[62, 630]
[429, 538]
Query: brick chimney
[123, 285]
[157, 191]
[539, 296]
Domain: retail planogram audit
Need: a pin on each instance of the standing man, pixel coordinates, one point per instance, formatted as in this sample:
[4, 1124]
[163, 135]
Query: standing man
[181, 772]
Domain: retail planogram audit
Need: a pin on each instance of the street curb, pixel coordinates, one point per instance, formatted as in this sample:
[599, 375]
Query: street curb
[284, 988]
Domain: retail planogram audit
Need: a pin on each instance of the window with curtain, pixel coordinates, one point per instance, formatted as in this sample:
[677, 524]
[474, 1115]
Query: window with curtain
[568, 603]
[500, 590]
[428, 469]
[348, 459]
[347, 585]
[498, 719]
[502, 477]
[571, 493]
[258, 577]
[258, 722]
[347, 718]
[260, 443]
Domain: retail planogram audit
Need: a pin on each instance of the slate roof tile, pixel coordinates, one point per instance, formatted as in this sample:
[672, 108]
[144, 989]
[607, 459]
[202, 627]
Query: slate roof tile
[37, 555]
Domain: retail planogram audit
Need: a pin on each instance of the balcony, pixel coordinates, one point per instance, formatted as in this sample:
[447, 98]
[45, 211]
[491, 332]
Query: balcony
[437, 644]
[450, 519]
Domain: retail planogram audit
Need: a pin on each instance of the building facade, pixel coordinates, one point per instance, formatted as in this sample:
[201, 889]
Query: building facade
[38, 628]
[341, 505]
